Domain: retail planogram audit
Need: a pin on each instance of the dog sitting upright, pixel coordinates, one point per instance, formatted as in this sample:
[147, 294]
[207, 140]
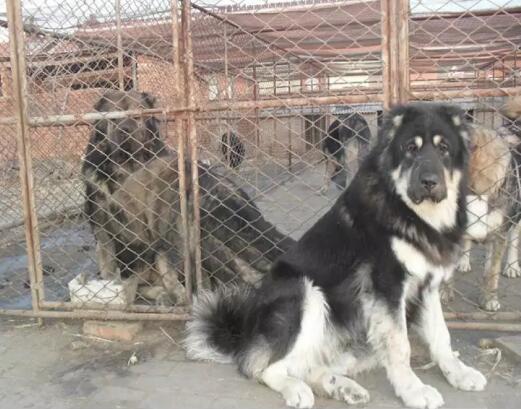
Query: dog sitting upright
[342, 299]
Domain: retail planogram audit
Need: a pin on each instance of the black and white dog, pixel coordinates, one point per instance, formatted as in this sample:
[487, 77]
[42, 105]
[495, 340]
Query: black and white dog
[341, 300]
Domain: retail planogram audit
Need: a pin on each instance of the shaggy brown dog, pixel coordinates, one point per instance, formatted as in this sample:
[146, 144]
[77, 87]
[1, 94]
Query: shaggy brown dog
[494, 205]
[133, 206]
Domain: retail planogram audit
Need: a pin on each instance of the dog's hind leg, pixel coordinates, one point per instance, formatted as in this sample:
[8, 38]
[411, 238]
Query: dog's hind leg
[433, 330]
[464, 262]
[106, 256]
[327, 176]
[325, 382]
[170, 278]
[512, 268]
[496, 249]
[295, 392]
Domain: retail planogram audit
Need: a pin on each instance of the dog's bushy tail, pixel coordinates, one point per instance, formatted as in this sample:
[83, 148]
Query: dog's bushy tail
[215, 330]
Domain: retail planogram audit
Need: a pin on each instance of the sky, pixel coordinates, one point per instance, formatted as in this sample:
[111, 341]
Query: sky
[65, 14]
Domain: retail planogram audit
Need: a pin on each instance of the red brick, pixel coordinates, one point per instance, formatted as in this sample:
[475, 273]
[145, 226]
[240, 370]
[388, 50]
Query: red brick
[113, 330]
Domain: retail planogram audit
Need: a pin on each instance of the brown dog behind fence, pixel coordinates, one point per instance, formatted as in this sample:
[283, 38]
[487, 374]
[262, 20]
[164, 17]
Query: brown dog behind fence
[132, 189]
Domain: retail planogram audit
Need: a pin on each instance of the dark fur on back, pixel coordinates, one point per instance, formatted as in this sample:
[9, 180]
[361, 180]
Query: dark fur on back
[233, 149]
[347, 254]
[345, 128]
[237, 243]
[133, 206]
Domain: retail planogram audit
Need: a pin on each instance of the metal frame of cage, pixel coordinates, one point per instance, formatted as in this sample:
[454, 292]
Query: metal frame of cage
[396, 89]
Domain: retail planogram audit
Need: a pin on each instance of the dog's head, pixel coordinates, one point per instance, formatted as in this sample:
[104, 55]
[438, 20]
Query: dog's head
[426, 151]
[512, 113]
[128, 133]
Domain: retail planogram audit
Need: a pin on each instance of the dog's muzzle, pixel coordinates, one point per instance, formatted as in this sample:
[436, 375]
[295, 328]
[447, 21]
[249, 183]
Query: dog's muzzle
[427, 182]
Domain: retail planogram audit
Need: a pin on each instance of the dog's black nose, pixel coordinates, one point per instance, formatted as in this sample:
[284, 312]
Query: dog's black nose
[430, 181]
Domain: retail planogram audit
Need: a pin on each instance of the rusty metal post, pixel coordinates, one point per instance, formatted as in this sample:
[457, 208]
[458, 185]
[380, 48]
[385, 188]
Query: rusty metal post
[227, 93]
[181, 144]
[403, 70]
[17, 56]
[121, 80]
[190, 83]
[290, 148]
[395, 51]
[256, 109]
[386, 57]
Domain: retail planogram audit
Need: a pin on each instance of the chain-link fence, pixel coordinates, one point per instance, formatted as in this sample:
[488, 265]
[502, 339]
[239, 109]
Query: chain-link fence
[152, 148]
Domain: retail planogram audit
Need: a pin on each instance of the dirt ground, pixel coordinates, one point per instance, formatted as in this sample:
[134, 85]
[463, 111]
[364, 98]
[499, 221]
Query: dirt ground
[54, 366]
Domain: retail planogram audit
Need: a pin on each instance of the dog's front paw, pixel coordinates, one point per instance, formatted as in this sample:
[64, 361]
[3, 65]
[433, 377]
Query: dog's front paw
[422, 397]
[446, 293]
[464, 263]
[466, 378]
[490, 303]
[512, 271]
[298, 395]
[348, 391]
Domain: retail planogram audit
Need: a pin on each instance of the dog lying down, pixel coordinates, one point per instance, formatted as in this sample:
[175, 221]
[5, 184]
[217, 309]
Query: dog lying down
[344, 297]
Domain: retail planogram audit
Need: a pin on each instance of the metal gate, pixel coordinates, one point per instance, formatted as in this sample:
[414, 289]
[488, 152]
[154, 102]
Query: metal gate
[244, 92]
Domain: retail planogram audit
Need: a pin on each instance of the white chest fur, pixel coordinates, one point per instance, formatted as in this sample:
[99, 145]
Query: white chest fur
[481, 221]
[417, 264]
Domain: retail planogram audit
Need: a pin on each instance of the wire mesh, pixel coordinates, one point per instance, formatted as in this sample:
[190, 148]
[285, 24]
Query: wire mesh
[284, 102]
[468, 54]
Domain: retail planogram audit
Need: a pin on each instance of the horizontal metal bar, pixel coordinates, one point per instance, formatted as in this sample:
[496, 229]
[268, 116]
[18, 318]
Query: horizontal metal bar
[484, 316]
[134, 316]
[466, 93]
[155, 309]
[292, 102]
[97, 314]
[8, 120]
[70, 119]
[485, 326]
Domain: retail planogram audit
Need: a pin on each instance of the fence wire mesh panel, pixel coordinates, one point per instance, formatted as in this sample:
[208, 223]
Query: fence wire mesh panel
[468, 53]
[174, 146]
[265, 64]
[98, 248]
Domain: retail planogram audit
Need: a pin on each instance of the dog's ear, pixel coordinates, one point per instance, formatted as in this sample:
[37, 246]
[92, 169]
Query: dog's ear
[456, 117]
[393, 120]
[102, 103]
[148, 99]
[455, 114]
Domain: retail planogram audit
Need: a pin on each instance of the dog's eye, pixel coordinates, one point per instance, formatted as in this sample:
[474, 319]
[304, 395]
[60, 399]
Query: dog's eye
[443, 147]
[411, 147]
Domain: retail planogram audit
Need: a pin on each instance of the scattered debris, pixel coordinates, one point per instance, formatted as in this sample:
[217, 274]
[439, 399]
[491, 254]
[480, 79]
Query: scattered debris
[133, 359]
[492, 352]
[510, 345]
[486, 343]
[89, 337]
[33, 324]
[75, 345]
[169, 337]
[431, 364]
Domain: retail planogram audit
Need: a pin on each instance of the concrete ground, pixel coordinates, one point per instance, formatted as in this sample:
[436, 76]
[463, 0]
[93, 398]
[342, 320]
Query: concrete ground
[55, 366]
